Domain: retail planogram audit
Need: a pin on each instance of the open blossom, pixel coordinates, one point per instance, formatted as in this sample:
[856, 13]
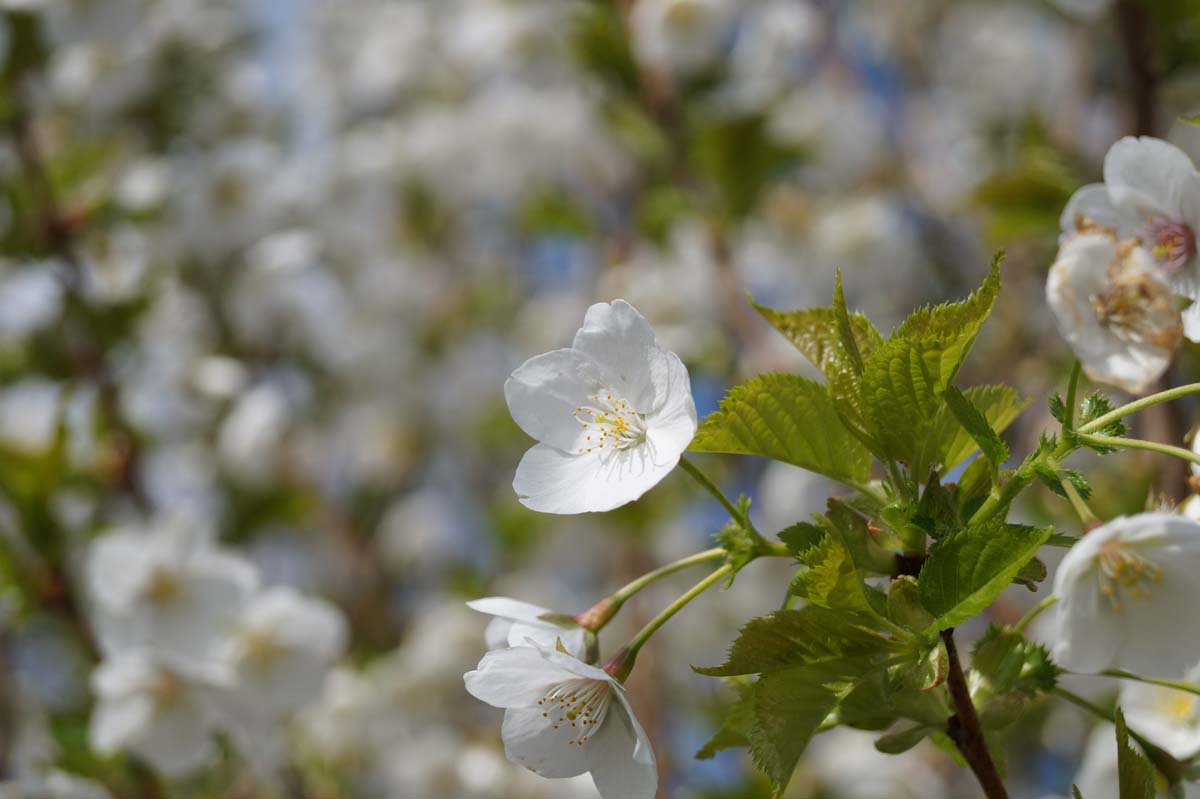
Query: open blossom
[679, 35]
[613, 413]
[1151, 193]
[156, 710]
[1114, 308]
[563, 718]
[1128, 596]
[168, 588]
[516, 622]
[1168, 718]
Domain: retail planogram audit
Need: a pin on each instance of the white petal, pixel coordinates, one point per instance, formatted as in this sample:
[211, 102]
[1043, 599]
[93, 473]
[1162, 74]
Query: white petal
[623, 764]
[1149, 175]
[544, 392]
[1091, 203]
[673, 426]
[115, 723]
[552, 481]
[1165, 716]
[180, 741]
[1086, 641]
[495, 635]
[515, 677]
[1191, 321]
[513, 609]
[542, 742]
[621, 341]
[548, 635]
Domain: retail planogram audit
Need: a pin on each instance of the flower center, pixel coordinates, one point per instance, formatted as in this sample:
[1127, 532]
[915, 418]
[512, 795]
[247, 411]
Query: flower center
[1177, 706]
[1171, 243]
[576, 707]
[1137, 308]
[683, 15]
[162, 587]
[167, 689]
[260, 649]
[1121, 569]
[611, 423]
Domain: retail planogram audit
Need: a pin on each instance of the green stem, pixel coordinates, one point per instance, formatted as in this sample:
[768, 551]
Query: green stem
[1149, 446]
[1085, 514]
[711, 488]
[1072, 391]
[1162, 760]
[867, 490]
[1140, 404]
[1033, 613]
[670, 610]
[1177, 685]
[1000, 498]
[632, 587]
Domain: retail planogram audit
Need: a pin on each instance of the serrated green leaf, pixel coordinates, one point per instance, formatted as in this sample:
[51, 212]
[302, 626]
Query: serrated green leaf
[829, 578]
[1052, 475]
[801, 537]
[968, 570]
[787, 418]
[735, 726]
[904, 380]
[845, 330]
[897, 743]
[1031, 574]
[814, 331]
[852, 530]
[936, 513]
[1058, 408]
[1075, 792]
[1095, 406]
[974, 486]
[904, 604]
[978, 428]
[789, 706]
[805, 636]
[1135, 775]
[999, 405]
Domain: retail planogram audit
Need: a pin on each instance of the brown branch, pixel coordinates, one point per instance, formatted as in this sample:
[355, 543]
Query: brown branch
[1133, 26]
[964, 728]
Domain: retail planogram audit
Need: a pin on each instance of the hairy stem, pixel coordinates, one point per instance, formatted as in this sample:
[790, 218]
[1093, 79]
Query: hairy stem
[1149, 446]
[1034, 612]
[626, 655]
[1178, 685]
[1140, 404]
[964, 727]
[711, 487]
[632, 587]
[1072, 391]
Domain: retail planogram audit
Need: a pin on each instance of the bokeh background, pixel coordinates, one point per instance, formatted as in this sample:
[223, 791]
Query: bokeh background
[267, 264]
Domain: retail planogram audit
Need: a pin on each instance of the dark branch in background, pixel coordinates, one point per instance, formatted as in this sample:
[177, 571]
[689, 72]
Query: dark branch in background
[964, 728]
[1133, 26]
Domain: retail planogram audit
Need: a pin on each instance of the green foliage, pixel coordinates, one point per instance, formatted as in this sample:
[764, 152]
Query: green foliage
[1031, 574]
[1005, 661]
[978, 428]
[740, 543]
[788, 708]
[936, 515]
[815, 332]
[898, 743]
[735, 726]
[787, 418]
[1135, 774]
[967, 571]
[1058, 408]
[1052, 476]
[738, 156]
[1092, 408]
[598, 41]
[801, 537]
[904, 380]
[904, 604]
[828, 578]
[998, 406]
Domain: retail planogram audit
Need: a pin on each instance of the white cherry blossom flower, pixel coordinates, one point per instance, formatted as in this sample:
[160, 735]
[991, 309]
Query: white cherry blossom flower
[169, 589]
[563, 718]
[160, 712]
[679, 35]
[516, 622]
[613, 413]
[1151, 192]
[1128, 596]
[1114, 308]
[1166, 717]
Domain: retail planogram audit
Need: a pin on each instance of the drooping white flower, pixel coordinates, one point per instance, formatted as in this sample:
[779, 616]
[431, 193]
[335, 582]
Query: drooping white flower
[1114, 308]
[168, 589]
[613, 413]
[160, 712]
[516, 621]
[563, 718]
[1151, 192]
[1164, 716]
[681, 36]
[1128, 595]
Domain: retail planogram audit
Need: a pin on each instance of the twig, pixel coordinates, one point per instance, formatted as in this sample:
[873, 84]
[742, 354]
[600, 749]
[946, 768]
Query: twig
[964, 728]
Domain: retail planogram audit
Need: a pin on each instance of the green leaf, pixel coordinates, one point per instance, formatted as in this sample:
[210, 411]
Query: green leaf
[1005, 661]
[1051, 475]
[852, 530]
[829, 579]
[805, 636]
[740, 544]
[999, 406]
[801, 537]
[969, 569]
[1135, 774]
[978, 427]
[815, 332]
[904, 380]
[845, 329]
[1095, 406]
[1075, 792]
[898, 743]
[936, 513]
[904, 604]
[787, 418]
[1032, 573]
[1058, 408]
[788, 708]
[735, 727]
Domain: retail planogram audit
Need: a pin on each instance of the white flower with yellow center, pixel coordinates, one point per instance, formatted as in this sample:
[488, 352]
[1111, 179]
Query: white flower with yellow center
[167, 588]
[1164, 716]
[564, 718]
[1150, 193]
[1114, 308]
[681, 36]
[613, 413]
[515, 622]
[1128, 596]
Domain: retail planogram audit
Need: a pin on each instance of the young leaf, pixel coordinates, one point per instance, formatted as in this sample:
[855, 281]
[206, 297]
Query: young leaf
[969, 569]
[787, 418]
[844, 328]
[904, 604]
[999, 405]
[1135, 775]
[735, 727]
[814, 331]
[801, 537]
[956, 319]
[806, 636]
[1095, 406]
[830, 579]
[897, 743]
[788, 708]
[978, 427]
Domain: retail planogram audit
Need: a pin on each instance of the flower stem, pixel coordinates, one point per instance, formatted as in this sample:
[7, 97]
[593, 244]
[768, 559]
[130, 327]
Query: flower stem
[696, 590]
[1072, 391]
[1178, 685]
[964, 727]
[1141, 404]
[1150, 446]
[1085, 514]
[632, 587]
[711, 487]
[1162, 760]
[1033, 613]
